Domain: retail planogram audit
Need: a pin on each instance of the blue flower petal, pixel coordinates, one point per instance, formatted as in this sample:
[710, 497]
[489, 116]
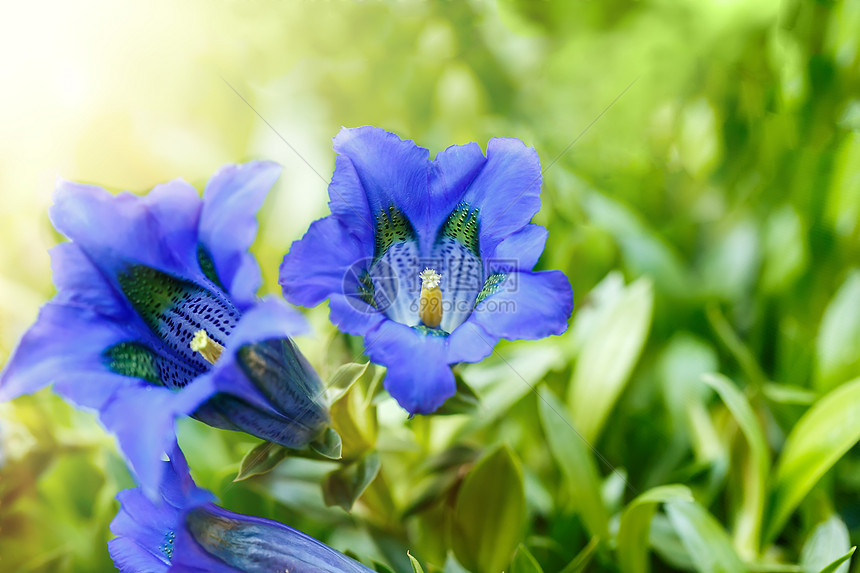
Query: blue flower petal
[80, 283]
[144, 530]
[328, 262]
[70, 336]
[147, 528]
[65, 344]
[193, 559]
[418, 375]
[129, 557]
[328, 259]
[98, 389]
[527, 306]
[143, 417]
[178, 488]
[470, 343]
[353, 316]
[228, 224]
[451, 174]
[271, 317]
[507, 190]
[375, 170]
[110, 229]
[521, 250]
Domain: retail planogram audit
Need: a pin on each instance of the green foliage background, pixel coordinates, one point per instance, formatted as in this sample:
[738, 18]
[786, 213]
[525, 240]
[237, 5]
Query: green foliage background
[702, 192]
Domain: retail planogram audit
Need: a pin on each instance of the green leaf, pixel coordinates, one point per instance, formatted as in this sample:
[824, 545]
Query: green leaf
[573, 455]
[450, 458]
[843, 202]
[829, 541]
[533, 361]
[667, 545]
[608, 357]
[699, 139]
[593, 310]
[260, 460]
[733, 343]
[344, 377]
[264, 457]
[748, 523]
[583, 558]
[490, 513]
[821, 436]
[344, 486]
[355, 420]
[434, 492]
[328, 444]
[524, 562]
[789, 394]
[632, 539]
[416, 567]
[645, 252]
[378, 500]
[706, 542]
[730, 262]
[836, 566]
[452, 565]
[837, 348]
[680, 367]
[785, 249]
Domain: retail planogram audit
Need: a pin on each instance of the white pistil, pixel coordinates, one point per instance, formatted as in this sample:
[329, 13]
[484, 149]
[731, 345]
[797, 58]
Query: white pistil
[208, 348]
[430, 301]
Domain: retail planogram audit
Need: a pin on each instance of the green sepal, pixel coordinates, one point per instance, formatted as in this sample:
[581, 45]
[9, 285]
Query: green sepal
[328, 444]
[416, 567]
[344, 486]
[261, 460]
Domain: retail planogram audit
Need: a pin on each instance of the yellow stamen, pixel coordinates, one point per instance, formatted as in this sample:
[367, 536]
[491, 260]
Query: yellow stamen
[208, 348]
[430, 301]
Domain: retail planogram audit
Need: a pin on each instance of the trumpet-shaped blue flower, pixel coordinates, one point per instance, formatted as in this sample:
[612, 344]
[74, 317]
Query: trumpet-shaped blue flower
[156, 316]
[184, 531]
[430, 261]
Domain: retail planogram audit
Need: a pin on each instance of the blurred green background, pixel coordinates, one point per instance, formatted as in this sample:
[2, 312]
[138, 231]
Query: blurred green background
[709, 222]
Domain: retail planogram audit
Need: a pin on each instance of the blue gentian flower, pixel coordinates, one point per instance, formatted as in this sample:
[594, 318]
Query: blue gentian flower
[430, 261]
[184, 531]
[156, 316]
